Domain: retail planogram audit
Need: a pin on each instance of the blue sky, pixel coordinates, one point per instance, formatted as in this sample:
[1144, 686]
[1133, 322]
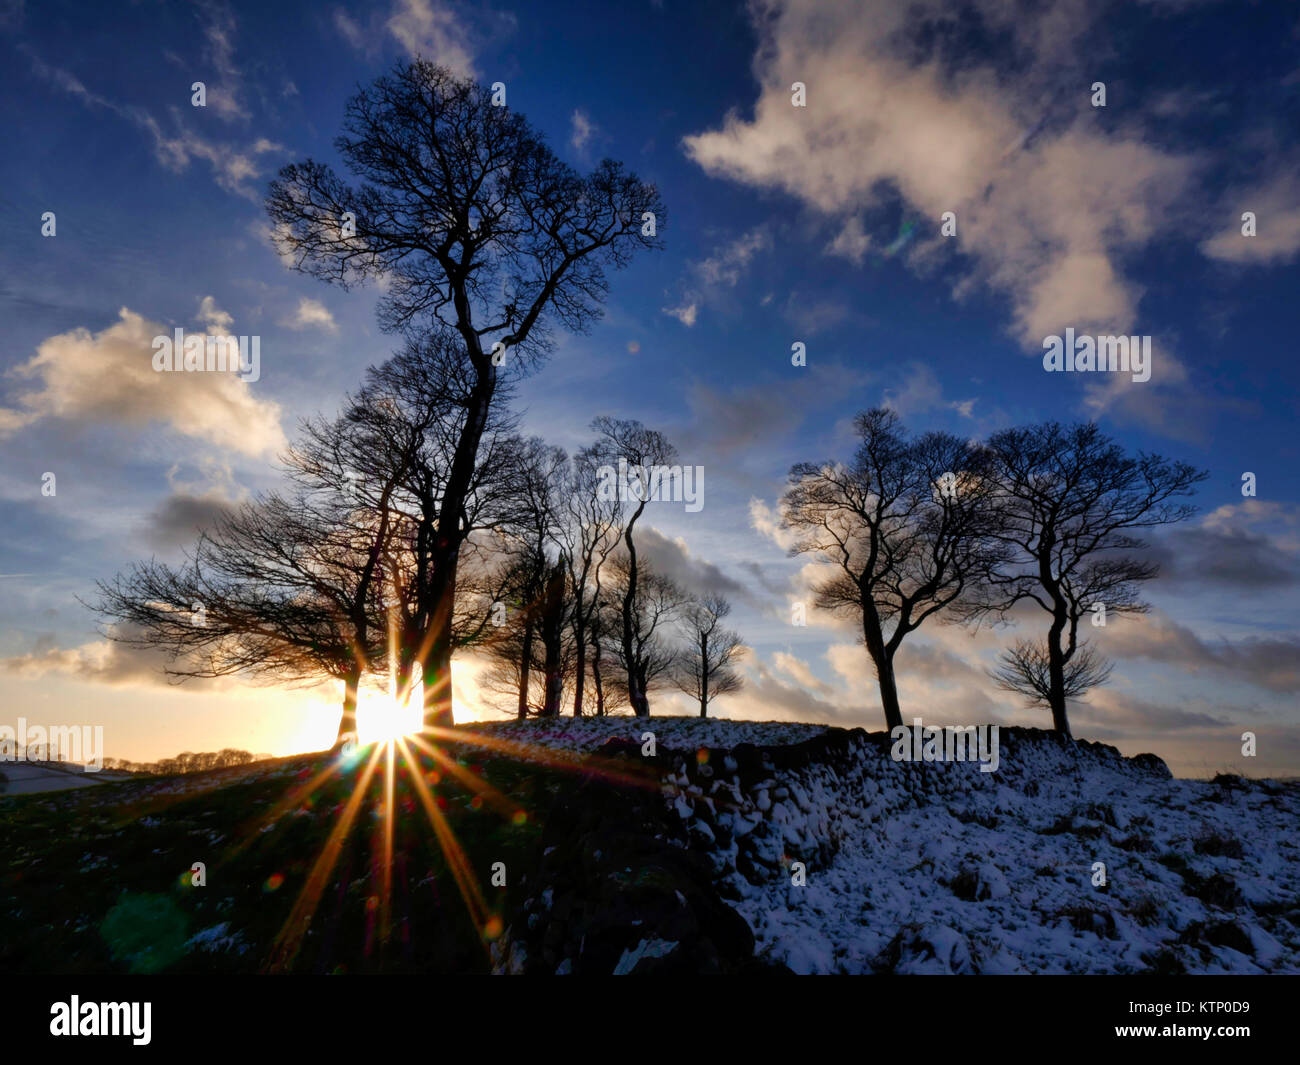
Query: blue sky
[818, 225]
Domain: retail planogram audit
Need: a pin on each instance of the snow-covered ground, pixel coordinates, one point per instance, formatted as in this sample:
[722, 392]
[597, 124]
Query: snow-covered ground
[939, 868]
[588, 733]
[27, 778]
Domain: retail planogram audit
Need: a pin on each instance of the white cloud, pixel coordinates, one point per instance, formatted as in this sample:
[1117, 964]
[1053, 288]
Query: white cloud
[921, 392]
[1276, 206]
[726, 265]
[767, 522]
[427, 28]
[582, 129]
[717, 272]
[1047, 217]
[214, 319]
[431, 29]
[108, 378]
[219, 27]
[850, 242]
[686, 314]
[799, 670]
[312, 314]
[232, 167]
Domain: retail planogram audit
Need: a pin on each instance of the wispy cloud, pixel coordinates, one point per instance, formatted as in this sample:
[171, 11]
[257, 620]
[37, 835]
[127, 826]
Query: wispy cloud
[433, 29]
[233, 168]
[719, 271]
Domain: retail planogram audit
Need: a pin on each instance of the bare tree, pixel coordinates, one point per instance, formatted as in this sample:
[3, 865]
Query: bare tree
[541, 477]
[285, 588]
[907, 526]
[705, 667]
[553, 618]
[603, 626]
[587, 536]
[1071, 502]
[477, 227]
[410, 413]
[647, 654]
[1027, 670]
[629, 452]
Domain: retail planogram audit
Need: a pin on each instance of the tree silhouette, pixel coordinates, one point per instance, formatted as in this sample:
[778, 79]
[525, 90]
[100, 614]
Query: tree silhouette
[907, 526]
[705, 666]
[629, 445]
[1070, 502]
[477, 228]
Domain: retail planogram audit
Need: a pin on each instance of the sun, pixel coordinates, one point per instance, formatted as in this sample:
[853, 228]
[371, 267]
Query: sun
[382, 716]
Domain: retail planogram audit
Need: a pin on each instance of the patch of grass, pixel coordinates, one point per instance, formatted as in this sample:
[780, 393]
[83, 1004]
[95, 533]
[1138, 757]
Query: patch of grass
[1145, 910]
[98, 879]
[1165, 962]
[1218, 845]
[1089, 919]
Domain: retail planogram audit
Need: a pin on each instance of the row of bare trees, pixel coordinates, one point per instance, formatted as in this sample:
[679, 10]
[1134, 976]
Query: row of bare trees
[587, 608]
[323, 579]
[185, 762]
[937, 526]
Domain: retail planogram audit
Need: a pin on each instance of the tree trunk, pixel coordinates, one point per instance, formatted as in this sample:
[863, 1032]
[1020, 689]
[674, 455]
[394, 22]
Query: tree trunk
[635, 689]
[889, 694]
[704, 676]
[348, 722]
[553, 640]
[525, 668]
[1056, 677]
[450, 535]
[596, 679]
[884, 663]
[580, 680]
[435, 674]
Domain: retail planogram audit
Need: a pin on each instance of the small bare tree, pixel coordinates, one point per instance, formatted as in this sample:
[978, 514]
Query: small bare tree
[1027, 670]
[706, 665]
[1070, 503]
[647, 655]
[287, 588]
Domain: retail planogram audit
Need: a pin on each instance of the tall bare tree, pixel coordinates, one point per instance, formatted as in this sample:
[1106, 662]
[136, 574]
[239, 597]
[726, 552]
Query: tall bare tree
[1072, 504]
[409, 416]
[477, 227]
[706, 665]
[907, 527]
[553, 618]
[588, 535]
[628, 452]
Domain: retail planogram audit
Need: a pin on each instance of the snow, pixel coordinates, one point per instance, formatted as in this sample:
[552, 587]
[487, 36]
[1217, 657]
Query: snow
[939, 868]
[588, 733]
[25, 778]
[217, 939]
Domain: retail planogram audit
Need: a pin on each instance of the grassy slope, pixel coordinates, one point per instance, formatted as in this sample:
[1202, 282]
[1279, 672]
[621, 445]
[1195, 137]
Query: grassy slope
[96, 880]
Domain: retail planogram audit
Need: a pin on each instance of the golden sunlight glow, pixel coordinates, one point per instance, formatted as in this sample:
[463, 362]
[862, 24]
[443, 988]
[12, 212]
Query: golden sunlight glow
[382, 716]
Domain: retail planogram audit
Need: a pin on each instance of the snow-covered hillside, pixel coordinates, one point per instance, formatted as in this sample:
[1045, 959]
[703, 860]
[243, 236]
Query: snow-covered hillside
[937, 867]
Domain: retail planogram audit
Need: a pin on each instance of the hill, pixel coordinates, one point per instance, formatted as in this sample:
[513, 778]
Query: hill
[729, 846]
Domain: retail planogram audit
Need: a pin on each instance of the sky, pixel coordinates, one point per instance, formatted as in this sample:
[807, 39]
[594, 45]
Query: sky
[820, 225]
